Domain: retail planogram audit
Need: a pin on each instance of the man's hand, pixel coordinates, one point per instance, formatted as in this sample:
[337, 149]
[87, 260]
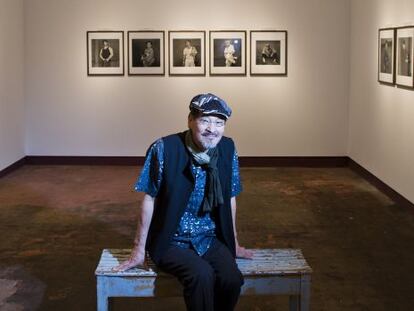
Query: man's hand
[242, 252]
[137, 259]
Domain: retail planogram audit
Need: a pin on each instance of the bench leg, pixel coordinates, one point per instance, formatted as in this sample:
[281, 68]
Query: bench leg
[293, 303]
[305, 284]
[102, 297]
[103, 303]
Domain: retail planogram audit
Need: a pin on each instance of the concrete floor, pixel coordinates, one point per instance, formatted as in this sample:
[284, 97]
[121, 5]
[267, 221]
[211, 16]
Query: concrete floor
[55, 220]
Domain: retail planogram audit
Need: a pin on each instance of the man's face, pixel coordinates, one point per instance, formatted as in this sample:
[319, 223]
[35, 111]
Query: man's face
[106, 43]
[149, 45]
[187, 44]
[207, 130]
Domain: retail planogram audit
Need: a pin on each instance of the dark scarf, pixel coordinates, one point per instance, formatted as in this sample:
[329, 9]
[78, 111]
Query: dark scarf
[213, 195]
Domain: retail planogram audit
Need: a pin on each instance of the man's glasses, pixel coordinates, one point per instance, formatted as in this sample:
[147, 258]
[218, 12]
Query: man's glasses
[206, 122]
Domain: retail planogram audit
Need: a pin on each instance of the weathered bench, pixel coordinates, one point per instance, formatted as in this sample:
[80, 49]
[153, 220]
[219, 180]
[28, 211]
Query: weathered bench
[270, 272]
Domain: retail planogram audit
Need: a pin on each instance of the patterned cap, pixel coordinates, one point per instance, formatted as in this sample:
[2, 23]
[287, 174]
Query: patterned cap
[210, 104]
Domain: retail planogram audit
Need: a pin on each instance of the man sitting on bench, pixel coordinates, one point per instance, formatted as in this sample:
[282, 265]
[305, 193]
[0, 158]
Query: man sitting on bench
[188, 214]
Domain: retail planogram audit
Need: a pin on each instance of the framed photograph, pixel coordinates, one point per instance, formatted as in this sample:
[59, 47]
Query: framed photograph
[386, 55]
[268, 52]
[404, 53]
[146, 53]
[187, 53]
[228, 52]
[105, 53]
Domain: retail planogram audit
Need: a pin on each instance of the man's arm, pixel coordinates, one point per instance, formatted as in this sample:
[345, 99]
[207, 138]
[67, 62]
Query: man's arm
[100, 55]
[241, 252]
[111, 53]
[137, 257]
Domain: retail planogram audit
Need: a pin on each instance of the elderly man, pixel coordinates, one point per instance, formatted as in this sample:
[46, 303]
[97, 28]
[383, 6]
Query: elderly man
[188, 214]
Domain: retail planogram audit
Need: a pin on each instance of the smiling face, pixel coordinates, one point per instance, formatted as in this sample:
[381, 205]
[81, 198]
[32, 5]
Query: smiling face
[207, 130]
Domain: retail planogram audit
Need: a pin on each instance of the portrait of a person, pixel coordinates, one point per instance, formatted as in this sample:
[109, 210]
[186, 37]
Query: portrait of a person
[229, 52]
[269, 55]
[106, 54]
[386, 56]
[148, 58]
[405, 57]
[189, 54]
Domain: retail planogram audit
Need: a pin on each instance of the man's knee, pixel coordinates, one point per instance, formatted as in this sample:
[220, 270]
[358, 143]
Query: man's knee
[230, 280]
[204, 276]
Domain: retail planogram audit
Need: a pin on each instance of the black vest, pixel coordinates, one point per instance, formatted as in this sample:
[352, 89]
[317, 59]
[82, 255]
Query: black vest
[176, 187]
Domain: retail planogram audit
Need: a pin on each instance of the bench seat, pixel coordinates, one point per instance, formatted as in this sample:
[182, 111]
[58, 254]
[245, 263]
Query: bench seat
[270, 272]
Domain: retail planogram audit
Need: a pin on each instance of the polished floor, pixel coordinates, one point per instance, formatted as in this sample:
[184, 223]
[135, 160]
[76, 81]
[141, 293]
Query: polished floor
[55, 220]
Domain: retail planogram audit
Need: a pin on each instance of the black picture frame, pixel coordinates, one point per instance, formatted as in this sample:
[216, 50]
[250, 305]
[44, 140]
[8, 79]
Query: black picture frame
[268, 52]
[234, 61]
[404, 73]
[184, 58]
[97, 64]
[141, 66]
[386, 63]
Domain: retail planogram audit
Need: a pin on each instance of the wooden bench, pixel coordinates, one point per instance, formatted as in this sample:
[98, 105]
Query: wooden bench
[270, 272]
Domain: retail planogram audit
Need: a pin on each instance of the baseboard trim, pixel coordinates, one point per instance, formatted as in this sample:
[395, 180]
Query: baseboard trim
[341, 161]
[379, 184]
[13, 167]
[84, 160]
[244, 161]
[294, 161]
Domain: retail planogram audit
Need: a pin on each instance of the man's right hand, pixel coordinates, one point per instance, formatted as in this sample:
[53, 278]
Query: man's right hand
[136, 259]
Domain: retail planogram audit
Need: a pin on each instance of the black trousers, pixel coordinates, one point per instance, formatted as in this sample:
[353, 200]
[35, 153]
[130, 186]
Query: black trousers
[211, 282]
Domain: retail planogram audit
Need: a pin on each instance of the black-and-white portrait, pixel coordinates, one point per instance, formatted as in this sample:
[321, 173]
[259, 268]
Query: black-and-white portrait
[227, 52]
[386, 56]
[105, 53]
[146, 52]
[404, 59]
[268, 52]
[187, 52]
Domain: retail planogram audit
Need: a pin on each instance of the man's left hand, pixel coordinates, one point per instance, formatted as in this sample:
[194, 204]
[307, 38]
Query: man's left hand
[242, 252]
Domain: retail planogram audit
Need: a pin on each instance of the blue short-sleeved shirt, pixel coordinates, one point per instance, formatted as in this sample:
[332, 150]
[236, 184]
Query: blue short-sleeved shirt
[196, 229]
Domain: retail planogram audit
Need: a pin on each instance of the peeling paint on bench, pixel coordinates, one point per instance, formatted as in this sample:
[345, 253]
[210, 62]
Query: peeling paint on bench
[270, 272]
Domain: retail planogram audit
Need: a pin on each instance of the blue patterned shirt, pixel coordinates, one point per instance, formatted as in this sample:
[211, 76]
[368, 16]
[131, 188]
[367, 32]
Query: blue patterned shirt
[196, 229]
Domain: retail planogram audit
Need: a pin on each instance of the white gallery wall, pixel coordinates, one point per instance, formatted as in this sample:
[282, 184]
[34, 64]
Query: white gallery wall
[11, 82]
[381, 126]
[69, 113]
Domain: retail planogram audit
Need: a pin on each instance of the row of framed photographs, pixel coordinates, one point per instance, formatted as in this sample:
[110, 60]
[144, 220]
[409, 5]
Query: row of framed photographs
[187, 52]
[395, 56]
